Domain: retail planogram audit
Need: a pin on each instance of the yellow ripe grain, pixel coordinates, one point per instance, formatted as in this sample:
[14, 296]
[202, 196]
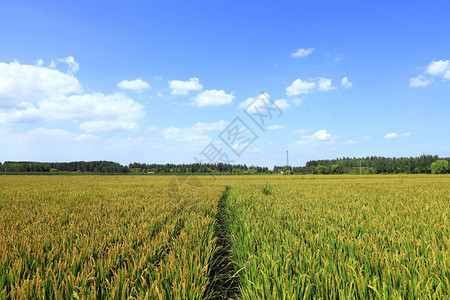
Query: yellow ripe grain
[104, 236]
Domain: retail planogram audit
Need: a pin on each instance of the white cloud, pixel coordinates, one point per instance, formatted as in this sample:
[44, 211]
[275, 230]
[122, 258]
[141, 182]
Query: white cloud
[299, 87]
[108, 126]
[136, 85]
[27, 83]
[39, 63]
[419, 81]
[346, 83]
[275, 127]
[394, 135]
[73, 66]
[261, 102]
[391, 135]
[302, 52]
[321, 137]
[252, 103]
[438, 68]
[281, 104]
[24, 112]
[30, 93]
[212, 98]
[179, 87]
[324, 84]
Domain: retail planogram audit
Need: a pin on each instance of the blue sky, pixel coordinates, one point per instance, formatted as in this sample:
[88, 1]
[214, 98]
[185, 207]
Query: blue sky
[159, 81]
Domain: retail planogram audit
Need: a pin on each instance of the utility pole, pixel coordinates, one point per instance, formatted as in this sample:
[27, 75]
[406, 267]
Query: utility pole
[361, 167]
[287, 158]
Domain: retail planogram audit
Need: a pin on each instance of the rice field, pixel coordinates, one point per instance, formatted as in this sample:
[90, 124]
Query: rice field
[275, 237]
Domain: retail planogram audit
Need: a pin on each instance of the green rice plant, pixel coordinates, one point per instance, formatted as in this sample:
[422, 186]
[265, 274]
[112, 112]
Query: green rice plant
[267, 189]
[343, 237]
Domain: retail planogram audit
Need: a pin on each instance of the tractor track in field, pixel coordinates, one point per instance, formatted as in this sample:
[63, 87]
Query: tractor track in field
[224, 281]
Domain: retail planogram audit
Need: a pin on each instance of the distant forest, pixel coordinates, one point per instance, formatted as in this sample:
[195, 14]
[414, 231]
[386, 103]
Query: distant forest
[368, 165]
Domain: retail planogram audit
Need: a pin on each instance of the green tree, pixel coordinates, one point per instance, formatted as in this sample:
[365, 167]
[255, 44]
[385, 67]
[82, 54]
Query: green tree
[321, 169]
[136, 170]
[439, 167]
[335, 169]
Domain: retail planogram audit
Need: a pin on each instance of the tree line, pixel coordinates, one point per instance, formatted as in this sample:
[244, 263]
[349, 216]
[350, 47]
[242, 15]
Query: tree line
[423, 164]
[103, 167]
[196, 168]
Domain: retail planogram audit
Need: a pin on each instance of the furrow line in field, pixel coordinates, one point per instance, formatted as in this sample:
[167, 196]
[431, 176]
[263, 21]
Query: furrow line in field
[224, 281]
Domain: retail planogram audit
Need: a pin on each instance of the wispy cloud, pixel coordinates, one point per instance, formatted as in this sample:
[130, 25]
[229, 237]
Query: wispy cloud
[179, 87]
[435, 69]
[136, 85]
[212, 98]
[346, 83]
[73, 66]
[394, 135]
[253, 104]
[299, 86]
[319, 138]
[419, 81]
[302, 52]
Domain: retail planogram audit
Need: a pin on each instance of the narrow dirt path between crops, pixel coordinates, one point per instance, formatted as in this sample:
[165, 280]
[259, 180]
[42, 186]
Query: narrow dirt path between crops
[224, 282]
